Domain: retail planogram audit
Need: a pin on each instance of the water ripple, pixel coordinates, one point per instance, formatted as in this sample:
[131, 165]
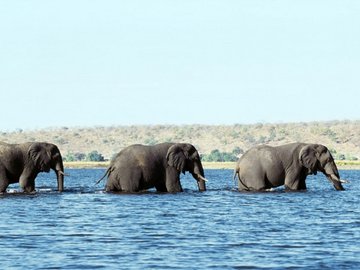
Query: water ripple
[86, 228]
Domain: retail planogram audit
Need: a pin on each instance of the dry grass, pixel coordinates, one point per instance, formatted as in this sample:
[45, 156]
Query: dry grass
[85, 164]
[341, 136]
[348, 164]
[219, 165]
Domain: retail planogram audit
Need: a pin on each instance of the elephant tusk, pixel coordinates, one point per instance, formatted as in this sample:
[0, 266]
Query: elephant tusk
[62, 173]
[334, 178]
[203, 178]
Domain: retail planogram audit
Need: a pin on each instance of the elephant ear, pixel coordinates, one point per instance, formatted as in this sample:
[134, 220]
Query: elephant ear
[34, 154]
[308, 158]
[176, 157]
[55, 152]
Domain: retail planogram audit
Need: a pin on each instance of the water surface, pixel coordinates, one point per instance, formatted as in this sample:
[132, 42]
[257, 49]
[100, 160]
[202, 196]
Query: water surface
[85, 228]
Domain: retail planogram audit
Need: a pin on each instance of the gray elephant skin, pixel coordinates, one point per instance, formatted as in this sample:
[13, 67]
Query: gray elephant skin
[264, 167]
[21, 163]
[140, 167]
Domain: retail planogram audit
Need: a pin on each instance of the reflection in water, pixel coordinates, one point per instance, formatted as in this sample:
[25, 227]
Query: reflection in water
[85, 228]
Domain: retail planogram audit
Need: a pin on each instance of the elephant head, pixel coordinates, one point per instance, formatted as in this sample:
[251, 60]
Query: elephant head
[184, 157]
[316, 157]
[46, 156]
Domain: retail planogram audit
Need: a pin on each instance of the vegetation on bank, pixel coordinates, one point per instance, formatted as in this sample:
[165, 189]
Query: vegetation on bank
[342, 164]
[214, 156]
[215, 143]
[93, 156]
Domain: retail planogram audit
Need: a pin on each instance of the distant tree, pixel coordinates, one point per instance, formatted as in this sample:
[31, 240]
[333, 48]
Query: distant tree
[74, 157]
[150, 141]
[69, 157]
[228, 157]
[217, 156]
[237, 151]
[261, 140]
[272, 134]
[95, 156]
[79, 156]
[250, 138]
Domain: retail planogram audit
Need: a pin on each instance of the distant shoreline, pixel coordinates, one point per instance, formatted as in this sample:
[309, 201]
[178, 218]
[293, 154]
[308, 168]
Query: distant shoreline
[104, 164]
[341, 164]
[213, 142]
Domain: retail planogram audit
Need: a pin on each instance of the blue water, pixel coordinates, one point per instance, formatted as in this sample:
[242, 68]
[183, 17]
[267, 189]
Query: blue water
[85, 228]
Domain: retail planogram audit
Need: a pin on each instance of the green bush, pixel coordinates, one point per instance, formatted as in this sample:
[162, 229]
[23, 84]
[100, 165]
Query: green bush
[79, 156]
[69, 157]
[74, 157]
[95, 156]
[237, 151]
[217, 156]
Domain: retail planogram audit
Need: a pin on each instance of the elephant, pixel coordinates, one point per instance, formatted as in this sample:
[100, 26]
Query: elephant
[264, 167]
[140, 167]
[23, 162]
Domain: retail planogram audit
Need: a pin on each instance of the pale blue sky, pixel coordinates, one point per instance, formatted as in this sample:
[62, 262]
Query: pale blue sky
[85, 63]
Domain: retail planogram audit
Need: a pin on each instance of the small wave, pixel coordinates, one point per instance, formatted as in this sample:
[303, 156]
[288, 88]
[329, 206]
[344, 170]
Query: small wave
[44, 190]
[12, 191]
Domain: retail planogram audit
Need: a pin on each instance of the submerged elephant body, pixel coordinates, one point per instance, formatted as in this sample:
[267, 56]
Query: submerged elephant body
[21, 163]
[264, 167]
[139, 167]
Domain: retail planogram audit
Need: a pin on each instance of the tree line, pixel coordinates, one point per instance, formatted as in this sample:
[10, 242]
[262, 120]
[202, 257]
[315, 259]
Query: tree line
[214, 142]
[92, 156]
[215, 156]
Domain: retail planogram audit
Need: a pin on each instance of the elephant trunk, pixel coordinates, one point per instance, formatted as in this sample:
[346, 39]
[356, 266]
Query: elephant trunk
[335, 181]
[201, 184]
[59, 169]
[332, 174]
[198, 174]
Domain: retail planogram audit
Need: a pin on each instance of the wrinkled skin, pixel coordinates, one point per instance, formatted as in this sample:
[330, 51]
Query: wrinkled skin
[140, 167]
[264, 167]
[21, 163]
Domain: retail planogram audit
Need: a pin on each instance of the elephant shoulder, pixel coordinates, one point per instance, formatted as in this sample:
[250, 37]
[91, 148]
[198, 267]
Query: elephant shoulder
[264, 147]
[130, 154]
[8, 149]
[257, 153]
[261, 149]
